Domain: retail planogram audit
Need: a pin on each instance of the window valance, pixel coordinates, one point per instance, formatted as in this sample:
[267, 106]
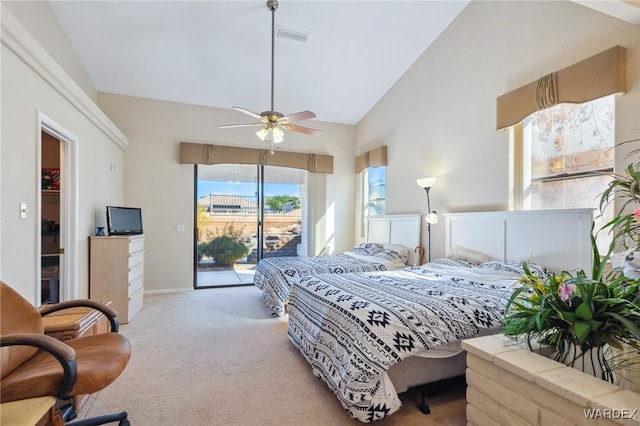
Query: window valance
[373, 158]
[197, 153]
[600, 75]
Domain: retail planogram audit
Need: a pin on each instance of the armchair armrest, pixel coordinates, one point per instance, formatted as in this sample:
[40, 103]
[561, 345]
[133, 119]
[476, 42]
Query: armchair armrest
[65, 355]
[108, 311]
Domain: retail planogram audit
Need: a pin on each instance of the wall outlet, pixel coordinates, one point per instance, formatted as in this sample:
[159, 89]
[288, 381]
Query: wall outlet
[179, 228]
[23, 210]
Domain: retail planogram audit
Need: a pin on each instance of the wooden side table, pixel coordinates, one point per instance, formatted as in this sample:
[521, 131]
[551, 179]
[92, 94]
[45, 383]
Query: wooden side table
[73, 323]
[34, 411]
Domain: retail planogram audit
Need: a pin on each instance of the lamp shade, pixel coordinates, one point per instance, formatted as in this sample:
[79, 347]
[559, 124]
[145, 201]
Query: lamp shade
[262, 133]
[426, 182]
[431, 218]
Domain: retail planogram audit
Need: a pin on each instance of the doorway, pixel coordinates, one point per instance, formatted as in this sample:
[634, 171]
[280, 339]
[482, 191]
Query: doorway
[51, 251]
[243, 214]
[57, 212]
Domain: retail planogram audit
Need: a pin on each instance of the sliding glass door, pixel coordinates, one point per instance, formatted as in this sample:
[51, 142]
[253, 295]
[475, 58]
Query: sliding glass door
[244, 213]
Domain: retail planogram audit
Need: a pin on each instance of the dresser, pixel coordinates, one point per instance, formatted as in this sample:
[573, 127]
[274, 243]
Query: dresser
[116, 273]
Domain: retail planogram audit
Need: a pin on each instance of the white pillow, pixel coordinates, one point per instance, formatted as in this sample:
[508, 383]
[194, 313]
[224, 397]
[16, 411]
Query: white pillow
[367, 249]
[469, 255]
[403, 250]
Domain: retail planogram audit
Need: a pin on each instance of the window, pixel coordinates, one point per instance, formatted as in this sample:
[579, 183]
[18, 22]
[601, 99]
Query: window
[373, 184]
[563, 156]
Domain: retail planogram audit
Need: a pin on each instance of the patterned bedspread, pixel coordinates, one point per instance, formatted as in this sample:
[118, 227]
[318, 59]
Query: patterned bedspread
[352, 328]
[274, 275]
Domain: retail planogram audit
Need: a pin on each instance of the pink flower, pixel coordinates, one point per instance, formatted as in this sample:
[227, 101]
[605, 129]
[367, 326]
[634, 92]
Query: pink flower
[636, 214]
[566, 290]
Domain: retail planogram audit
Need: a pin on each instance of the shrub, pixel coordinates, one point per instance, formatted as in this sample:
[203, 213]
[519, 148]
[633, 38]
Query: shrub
[202, 250]
[226, 250]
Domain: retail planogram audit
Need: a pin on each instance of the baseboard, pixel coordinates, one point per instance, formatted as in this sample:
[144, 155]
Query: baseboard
[167, 290]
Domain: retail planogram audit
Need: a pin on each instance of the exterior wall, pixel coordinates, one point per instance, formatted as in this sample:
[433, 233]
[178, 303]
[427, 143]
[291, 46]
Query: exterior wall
[439, 119]
[507, 384]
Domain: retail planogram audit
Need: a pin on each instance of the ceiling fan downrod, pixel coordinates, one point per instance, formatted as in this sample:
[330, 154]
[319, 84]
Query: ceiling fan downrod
[272, 5]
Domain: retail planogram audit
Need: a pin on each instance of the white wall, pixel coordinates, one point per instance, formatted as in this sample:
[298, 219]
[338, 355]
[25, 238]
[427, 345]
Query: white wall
[26, 92]
[42, 23]
[439, 118]
[157, 182]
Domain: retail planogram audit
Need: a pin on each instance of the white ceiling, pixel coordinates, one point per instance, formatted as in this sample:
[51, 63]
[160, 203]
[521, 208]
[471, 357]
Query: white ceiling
[218, 53]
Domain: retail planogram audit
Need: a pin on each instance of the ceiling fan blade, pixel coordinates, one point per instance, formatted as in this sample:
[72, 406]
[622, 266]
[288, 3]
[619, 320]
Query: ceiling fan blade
[298, 116]
[251, 113]
[227, 126]
[300, 129]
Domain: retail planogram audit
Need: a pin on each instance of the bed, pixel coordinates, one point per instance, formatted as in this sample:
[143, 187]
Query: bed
[370, 336]
[390, 244]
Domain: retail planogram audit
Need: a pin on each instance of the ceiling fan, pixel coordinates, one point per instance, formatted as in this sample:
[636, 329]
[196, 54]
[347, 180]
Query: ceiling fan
[273, 123]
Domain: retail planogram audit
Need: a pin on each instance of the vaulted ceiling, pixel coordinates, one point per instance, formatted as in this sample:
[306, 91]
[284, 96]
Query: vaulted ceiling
[218, 53]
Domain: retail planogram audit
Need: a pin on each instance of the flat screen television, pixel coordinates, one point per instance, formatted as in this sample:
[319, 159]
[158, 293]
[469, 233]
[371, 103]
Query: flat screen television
[124, 220]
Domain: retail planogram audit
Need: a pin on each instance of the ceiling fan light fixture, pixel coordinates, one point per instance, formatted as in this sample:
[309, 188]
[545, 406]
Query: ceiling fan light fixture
[262, 133]
[278, 134]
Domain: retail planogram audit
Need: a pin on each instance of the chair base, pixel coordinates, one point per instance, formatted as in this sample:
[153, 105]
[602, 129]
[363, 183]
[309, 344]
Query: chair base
[121, 418]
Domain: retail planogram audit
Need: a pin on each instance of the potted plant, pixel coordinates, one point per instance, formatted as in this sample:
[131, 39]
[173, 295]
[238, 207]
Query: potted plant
[584, 318]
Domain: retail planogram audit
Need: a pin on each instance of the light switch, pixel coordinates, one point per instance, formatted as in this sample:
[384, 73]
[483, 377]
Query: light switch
[23, 210]
[179, 228]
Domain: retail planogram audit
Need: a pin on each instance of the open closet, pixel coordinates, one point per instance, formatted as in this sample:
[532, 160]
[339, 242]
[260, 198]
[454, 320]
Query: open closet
[50, 214]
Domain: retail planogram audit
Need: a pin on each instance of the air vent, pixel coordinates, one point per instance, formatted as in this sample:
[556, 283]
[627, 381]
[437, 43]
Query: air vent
[291, 34]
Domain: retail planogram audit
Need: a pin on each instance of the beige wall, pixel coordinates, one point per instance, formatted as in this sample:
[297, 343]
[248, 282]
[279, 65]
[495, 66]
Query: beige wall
[42, 23]
[25, 94]
[155, 181]
[439, 118]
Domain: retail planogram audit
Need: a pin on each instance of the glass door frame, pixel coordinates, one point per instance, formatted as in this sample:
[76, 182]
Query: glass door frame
[260, 205]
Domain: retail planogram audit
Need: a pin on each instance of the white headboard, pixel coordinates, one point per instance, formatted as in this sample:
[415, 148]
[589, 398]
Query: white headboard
[557, 239]
[394, 229]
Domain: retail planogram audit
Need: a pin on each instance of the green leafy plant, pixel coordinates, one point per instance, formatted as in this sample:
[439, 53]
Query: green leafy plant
[277, 202]
[625, 225]
[226, 250]
[587, 312]
[575, 308]
[625, 188]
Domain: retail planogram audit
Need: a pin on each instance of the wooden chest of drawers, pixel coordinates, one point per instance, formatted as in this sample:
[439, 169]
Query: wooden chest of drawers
[116, 273]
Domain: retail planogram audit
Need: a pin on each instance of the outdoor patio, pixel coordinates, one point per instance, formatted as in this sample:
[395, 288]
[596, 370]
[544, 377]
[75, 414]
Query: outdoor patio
[240, 274]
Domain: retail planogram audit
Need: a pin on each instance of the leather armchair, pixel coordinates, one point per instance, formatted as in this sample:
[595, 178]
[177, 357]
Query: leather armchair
[33, 364]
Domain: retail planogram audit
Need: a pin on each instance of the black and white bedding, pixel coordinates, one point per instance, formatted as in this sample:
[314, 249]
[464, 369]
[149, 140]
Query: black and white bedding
[274, 275]
[353, 327]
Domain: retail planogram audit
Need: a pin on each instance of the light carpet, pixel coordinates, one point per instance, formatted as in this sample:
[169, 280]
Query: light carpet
[215, 357]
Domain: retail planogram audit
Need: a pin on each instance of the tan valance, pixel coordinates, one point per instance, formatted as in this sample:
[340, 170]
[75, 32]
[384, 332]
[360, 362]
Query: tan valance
[600, 75]
[197, 153]
[373, 158]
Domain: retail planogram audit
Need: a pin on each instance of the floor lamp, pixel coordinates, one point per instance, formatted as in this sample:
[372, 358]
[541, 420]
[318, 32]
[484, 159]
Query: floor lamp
[431, 217]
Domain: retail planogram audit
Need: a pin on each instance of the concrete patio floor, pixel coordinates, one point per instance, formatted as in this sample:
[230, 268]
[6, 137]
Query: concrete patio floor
[236, 276]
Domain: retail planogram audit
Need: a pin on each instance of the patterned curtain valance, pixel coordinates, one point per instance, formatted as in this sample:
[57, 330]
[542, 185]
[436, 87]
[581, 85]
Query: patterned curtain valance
[198, 153]
[600, 75]
[373, 158]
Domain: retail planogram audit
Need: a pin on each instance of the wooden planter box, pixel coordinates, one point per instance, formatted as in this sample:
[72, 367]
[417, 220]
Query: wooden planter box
[507, 384]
